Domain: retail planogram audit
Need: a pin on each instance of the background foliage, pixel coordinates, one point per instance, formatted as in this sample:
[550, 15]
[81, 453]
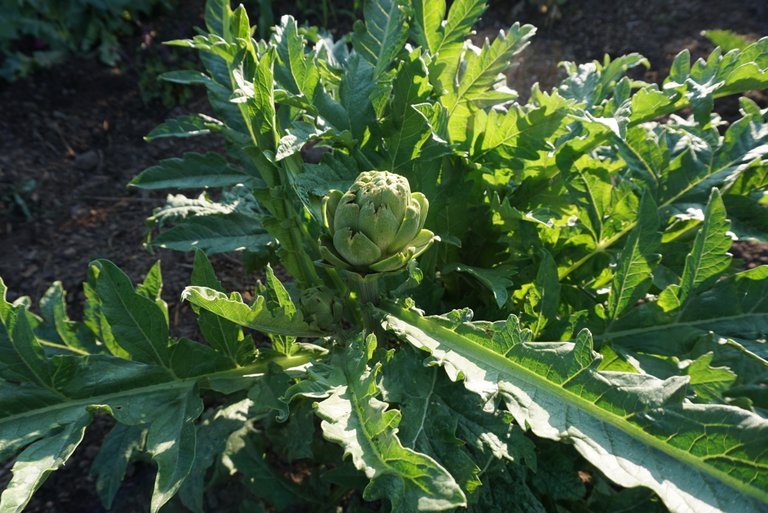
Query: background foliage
[36, 33]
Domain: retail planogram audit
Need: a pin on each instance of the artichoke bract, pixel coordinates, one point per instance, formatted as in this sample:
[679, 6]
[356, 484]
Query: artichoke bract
[376, 226]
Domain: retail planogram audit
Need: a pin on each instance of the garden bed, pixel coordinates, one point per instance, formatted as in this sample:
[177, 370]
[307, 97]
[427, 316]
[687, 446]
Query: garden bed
[77, 129]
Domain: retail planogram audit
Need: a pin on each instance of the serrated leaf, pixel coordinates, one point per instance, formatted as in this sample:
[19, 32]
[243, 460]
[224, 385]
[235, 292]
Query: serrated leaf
[111, 462]
[245, 453]
[355, 419]
[405, 129]
[216, 233]
[297, 72]
[212, 433]
[634, 427]
[735, 307]
[708, 257]
[354, 96]
[222, 335]
[277, 299]
[427, 20]
[441, 419]
[171, 440]
[727, 40]
[383, 34]
[479, 73]
[137, 323]
[709, 382]
[42, 423]
[57, 325]
[192, 125]
[591, 83]
[192, 171]
[636, 261]
[515, 133]
[496, 280]
[257, 316]
[296, 137]
[543, 299]
[21, 355]
[505, 490]
[39, 459]
[462, 15]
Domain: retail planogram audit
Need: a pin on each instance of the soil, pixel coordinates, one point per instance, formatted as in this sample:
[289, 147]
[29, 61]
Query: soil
[76, 130]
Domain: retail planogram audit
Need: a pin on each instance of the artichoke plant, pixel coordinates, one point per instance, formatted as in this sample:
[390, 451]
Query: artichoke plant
[376, 226]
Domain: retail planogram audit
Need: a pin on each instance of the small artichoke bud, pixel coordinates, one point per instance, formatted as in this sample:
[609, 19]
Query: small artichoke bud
[321, 308]
[377, 225]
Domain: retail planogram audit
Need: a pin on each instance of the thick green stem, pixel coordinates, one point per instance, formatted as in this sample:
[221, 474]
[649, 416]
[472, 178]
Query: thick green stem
[367, 290]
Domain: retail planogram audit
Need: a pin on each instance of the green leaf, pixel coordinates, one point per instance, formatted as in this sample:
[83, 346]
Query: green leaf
[21, 355]
[217, 14]
[355, 419]
[442, 420]
[224, 336]
[258, 316]
[38, 460]
[58, 327]
[709, 382]
[41, 423]
[296, 71]
[5, 306]
[515, 133]
[277, 299]
[110, 463]
[636, 428]
[735, 307]
[636, 261]
[727, 40]
[496, 280]
[137, 323]
[543, 298]
[354, 95]
[383, 34]
[192, 125]
[427, 20]
[591, 83]
[216, 233]
[505, 490]
[296, 137]
[245, 454]
[462, 15]
[477, 76]
[212, 433]
[708, 257]
[171, 440]
[192, 171]
[405, 129]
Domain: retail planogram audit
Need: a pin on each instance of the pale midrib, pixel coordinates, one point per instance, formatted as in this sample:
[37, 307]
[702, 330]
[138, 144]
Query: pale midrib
[159, 359]
[474, 351]
[424, 410]
[177, 384]
[380, 456]
[357, 409]
[649, 329]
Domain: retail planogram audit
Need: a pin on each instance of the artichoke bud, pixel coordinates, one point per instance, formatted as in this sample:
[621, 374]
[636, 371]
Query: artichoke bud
[321, 308]
[376, 226]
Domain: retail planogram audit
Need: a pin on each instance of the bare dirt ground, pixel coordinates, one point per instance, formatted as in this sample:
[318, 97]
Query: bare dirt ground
[76, 130]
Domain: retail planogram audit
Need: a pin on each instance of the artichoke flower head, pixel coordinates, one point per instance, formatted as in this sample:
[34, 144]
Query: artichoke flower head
[376, 226]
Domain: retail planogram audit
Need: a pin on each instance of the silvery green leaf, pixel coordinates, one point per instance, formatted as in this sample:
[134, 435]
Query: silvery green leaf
[636, 428]
[365, 427]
